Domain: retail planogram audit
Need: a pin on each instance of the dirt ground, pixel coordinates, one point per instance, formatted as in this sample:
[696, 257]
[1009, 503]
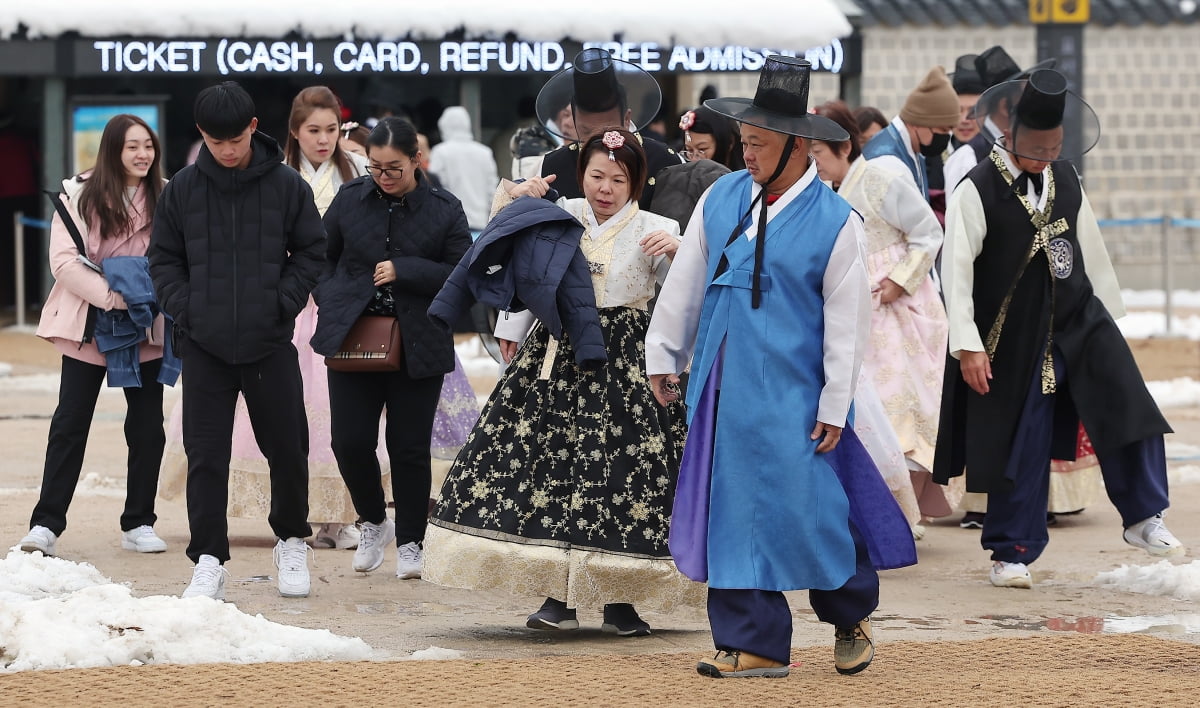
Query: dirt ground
[945, 598]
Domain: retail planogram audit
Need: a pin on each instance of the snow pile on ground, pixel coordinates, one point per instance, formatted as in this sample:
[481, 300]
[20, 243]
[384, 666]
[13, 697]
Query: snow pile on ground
[1158, 298]
[95, 485]
[56, 614]
[434, 654]
[475, 359]
[1162, 578]
[1187, 474]
[1176, 393]
[1181, 451]
[1143, 325]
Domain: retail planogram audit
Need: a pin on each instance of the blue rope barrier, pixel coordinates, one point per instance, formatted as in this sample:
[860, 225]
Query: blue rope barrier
[1186, 223]
[1146, 221]
[35, 223]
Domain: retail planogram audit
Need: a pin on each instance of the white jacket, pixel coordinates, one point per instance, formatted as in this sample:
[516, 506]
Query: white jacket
[465, 167]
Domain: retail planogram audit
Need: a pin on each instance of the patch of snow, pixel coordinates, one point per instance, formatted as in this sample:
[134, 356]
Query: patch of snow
[1143, 325]
[434, 654]
[1162, 578]
[1158, 298]
[1176, 393]
[58, 614]
[1186, 474]
[796, 26]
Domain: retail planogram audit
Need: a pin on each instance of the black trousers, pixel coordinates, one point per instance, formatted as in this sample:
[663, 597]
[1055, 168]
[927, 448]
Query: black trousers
[274, 396]
[79, 387]
[355, 403]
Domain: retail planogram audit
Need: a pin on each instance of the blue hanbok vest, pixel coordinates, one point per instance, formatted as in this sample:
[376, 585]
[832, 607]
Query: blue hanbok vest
[890, 141]
[777, 511]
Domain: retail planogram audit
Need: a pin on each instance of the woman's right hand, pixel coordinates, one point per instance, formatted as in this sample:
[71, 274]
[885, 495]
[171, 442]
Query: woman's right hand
[508, 349]
[534, 187]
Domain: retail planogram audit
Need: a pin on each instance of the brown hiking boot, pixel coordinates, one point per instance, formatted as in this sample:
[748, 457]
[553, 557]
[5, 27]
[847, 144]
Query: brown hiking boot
[853, 648]
[741, 664]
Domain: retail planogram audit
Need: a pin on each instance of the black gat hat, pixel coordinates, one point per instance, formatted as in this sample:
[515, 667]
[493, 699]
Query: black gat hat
[597, 83]
[781, 103]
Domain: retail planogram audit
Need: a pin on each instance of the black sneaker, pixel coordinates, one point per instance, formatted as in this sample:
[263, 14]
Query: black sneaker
[622, 620]
[553, 615]
[972, 520]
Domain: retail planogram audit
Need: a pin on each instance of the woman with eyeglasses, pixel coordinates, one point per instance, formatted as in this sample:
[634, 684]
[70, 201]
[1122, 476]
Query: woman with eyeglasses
[712, 147]
[708, 135]
[392, 240]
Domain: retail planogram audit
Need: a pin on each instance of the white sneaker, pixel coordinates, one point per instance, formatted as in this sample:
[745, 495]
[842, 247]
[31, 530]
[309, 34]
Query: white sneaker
[1153, 536]
[208, 579]
[348, 537]
[373, 539]
[143, 540]
[408, 561]
[291, 559]
[39, 538]
[1010, 575]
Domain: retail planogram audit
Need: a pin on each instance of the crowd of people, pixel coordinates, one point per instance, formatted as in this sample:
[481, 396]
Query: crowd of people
[928, 296]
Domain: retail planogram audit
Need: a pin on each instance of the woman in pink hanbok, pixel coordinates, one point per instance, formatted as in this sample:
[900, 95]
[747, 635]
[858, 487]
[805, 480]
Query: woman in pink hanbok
[313, 149]
[906, 356]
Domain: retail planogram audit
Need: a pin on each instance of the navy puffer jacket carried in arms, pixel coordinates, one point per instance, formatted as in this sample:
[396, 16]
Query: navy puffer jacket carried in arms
[235, 252]
[528, 257]
[428, 233]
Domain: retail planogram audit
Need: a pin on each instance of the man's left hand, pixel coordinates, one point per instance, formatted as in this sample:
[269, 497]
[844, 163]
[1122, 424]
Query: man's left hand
[831, 433]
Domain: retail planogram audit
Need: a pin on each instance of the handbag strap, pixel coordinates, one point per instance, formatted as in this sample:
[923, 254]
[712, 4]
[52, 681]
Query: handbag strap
[72, 227]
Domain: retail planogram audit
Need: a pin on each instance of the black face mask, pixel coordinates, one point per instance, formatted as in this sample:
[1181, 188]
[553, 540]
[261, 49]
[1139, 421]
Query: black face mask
[936, 146]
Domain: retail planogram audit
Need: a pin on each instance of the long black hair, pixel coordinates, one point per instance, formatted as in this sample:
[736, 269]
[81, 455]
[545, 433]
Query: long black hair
[103, 195]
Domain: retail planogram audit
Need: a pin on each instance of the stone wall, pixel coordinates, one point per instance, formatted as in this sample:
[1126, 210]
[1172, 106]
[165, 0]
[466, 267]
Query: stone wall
[1143, 82]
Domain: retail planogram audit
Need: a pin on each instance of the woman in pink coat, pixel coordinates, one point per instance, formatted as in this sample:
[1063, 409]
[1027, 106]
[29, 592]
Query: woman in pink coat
[112, 206]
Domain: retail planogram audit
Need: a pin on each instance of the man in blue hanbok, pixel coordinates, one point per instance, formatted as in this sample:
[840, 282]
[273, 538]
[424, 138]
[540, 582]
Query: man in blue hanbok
[775, 493]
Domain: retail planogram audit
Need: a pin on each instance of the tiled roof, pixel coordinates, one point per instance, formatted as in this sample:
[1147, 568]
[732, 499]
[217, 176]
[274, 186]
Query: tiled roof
[890, 13]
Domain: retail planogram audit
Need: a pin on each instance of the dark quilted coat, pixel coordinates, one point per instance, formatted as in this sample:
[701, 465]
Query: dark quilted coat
[428, 234]
[528, 257]
[235, 252]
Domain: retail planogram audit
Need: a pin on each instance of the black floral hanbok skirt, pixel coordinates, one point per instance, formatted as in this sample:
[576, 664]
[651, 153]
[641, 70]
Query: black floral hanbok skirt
[564, 488]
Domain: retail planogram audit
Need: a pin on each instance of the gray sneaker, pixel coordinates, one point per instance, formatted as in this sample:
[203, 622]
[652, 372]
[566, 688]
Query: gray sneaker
[409, 559]
[373, 540]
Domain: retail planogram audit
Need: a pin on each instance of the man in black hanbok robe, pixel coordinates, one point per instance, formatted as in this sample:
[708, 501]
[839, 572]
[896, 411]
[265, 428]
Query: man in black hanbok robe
[1034, 348]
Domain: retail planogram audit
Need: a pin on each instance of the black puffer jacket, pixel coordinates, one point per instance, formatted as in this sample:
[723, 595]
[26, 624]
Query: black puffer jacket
[235, 252]
[428, 233]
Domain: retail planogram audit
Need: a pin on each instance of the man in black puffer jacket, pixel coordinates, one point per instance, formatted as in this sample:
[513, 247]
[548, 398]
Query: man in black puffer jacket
[237, 245]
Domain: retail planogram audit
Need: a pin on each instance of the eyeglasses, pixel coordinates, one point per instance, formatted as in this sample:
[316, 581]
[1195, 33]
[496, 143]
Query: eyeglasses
[389, 172]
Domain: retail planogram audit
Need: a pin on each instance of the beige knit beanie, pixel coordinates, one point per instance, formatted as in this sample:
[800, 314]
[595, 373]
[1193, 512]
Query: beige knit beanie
[933, 104]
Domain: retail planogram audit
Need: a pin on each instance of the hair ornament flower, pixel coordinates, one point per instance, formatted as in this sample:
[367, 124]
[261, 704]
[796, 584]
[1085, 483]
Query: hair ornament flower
[613, 141]
[685, 121]
[347, 127]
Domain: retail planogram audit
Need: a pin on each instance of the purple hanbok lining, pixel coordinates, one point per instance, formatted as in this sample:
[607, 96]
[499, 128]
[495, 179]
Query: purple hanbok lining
[688, 539]
[873, 509]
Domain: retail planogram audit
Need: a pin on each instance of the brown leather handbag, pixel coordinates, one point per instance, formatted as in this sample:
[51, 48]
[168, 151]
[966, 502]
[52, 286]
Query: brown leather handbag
[372, 345]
